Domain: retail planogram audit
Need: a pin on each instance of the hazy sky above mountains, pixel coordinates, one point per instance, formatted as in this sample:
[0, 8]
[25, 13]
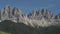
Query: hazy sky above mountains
[29, 5]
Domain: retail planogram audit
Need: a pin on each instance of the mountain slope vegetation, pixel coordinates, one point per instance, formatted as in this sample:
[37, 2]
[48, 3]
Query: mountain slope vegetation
[10, 27]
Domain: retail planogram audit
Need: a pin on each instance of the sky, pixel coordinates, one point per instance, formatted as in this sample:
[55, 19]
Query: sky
[28, 5]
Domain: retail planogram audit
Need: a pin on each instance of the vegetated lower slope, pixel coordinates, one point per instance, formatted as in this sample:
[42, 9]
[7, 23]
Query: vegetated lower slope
[10, 27]
[15, 28]
[1, 32]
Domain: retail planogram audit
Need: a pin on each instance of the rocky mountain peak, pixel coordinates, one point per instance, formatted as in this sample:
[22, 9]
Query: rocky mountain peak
[9, 13]
[57, 16]
[7, 8]
[41, 13]
[41, 17]
[45, 11]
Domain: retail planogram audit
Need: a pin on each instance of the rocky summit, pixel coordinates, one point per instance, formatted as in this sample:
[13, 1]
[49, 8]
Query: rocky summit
[9, 13]
[43, 17]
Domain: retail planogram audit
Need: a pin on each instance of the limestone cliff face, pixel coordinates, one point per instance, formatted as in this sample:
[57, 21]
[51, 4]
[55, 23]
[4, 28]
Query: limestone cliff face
[37, 18]
[39, 14]
[43, 18]
[9, 13]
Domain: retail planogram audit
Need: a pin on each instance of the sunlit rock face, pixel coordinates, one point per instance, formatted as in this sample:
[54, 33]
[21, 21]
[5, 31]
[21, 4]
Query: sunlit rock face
[39, 14]
[6, 13]
[36, 18]
[57, 16]
[9, 13]
[0, 15]
[17, 14]
[43, 18]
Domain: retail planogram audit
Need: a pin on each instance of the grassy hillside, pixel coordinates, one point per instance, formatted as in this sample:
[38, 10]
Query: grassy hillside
[15, 28]
[9, 27]
[1, 32]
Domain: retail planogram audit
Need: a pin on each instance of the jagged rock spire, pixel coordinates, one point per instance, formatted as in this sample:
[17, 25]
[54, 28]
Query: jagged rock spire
[57, 16]
[17, 13]
[41, 17]
[0, 14]
[9, 13]
[47, 13]
[6, 12]
[41, 13]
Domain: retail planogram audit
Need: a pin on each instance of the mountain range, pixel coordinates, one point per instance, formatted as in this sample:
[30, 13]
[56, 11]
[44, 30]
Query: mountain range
[14, 21]
[42, 17]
